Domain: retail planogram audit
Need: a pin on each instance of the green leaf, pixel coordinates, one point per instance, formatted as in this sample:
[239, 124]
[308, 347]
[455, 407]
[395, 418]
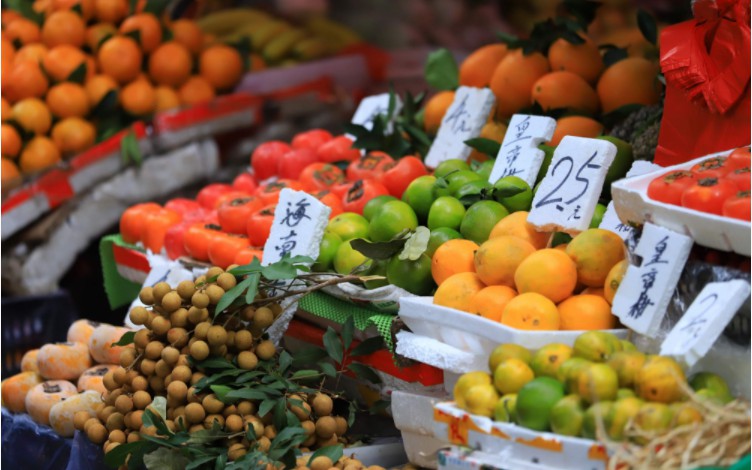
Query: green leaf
[253, 267]
[304, 374]
[441, 70]
[348, 328]
[129, 150]
[512, 41]
[416, 245]
[356, 130]
[328, 369]
[288, 435]
[333, 345]
[250, 294]
[157, 7]
[378, 250]
[352, 409]
[507, 190]
[106, 104]
[250, 433]
[116, 457]
[198, 462]
[26, 9]
[614, 55]
[308, 356]
[160, 404]
[363, 371]
[206, 436]
[134, 34]
[285, 360]
[165, 459]
[229, 297]
[392, 100]
[333, 452]
[221, 461]
[280, 418]
[648, 28]
[379, 406]
[216, 363]
[126, 339]
[266, 406]
[247, 394]
[572, 38]
[221, 392]
[369, 346]
[79, 74]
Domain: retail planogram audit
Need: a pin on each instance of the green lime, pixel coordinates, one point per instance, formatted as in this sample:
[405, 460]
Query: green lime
[472, 192]
[711, 382]
[327, 250]
[597, 412]
[513, 193]
[378, 268]
[419, 194]
[600, 209]
[535, 401]
[548, 152]
[373, 206]
[449, 184]
[449, 166]
[348, 258]
[393, 218]
[621, 164]
[567, 416]
[484, 169]
[413, 276]
[480, 219]
[439, 236]
[505, 408]
[446, 211]
[348, 225]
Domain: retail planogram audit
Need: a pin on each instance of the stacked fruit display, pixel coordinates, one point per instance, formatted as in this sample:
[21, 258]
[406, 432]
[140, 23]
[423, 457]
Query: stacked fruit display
[597, 388]
[717, 186]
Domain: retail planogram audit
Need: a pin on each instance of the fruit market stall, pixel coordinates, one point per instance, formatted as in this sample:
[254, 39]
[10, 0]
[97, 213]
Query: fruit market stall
[523, 268]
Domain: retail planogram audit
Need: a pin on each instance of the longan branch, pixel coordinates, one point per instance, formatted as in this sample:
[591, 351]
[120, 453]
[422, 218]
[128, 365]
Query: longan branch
[327, 283]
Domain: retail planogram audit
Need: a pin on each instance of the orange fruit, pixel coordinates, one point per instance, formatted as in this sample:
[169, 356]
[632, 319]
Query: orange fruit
[138, 98]
[630, 38]
[97, 32]
[87, 6]
[120, 58]
[516, 225]
[98, 86]
[592, 291]
[10, 140]
[32, 115]
[633, 80]
[595, 251]
[9, 16]
[492, 130]
[497, 259]
[221, 66]
[35, 52]
[64, 27]
[548, 272]
[435, 109]
[73, 135]
[8, 51]
[490, 301]
[167, 98]
[477, 68]
[578, 126]
[531, 311]
[61, 61]
[38, 154]
[456, 291]
[149, 28]
[613, 279]
[111, 11]
[170, 64]
[187, 33]
[564, 89]
[513, 79]
[9, 173]
[22, 30]
[7, 110]
[196, 90]
[583, 59]
[26, 80]
[452, 257]
[68, 99]
[586, 312]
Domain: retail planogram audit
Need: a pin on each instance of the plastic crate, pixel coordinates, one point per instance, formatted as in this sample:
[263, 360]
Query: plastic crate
[31, 322]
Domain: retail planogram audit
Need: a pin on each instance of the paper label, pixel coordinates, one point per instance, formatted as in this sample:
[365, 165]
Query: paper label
[704, 321]
[299, 223]
[372, 106]
[519, 154]
[567, 196]
[644, 293]
[463, 120]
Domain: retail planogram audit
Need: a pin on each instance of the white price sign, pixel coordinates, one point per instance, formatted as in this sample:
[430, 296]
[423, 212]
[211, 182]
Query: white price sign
[704, 321]
[372, 106]
[610, 219]
[299, 223]
[644, 293]
[519, 154]
[567, 196]
[463, 120]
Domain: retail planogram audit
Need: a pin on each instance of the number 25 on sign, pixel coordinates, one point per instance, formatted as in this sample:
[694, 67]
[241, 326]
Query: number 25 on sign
[567, 196]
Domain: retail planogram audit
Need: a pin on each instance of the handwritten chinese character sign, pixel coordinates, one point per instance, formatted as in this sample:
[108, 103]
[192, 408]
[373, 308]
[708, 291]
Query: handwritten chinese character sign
[519, 154]
[372, 106]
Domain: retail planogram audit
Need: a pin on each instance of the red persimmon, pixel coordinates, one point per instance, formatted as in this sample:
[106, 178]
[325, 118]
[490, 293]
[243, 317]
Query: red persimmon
[668, 188]
[708, 195]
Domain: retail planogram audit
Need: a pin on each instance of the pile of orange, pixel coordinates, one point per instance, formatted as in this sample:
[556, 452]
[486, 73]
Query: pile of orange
[90, 56]
[514, 279]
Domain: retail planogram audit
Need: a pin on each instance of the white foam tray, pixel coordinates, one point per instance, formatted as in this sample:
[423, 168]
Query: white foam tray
[632, 204]
[472, 333]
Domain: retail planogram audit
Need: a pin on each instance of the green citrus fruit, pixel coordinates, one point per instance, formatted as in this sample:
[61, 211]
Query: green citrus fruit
[373, 206]
[472, 192]
[511, 375]
[450, 166]
[535, 400]
[505, 408]
[327, 250]
[439, 236]
[413, 276]
[600, 210]
[446, 211]
[547, 360]
[621, 164]
[480, 219]
[619, 415]
[378, 268]
[348, 225]
[452, 182]
[712, 382]
[513, 193]
[484, 169]
[348, 258]
[394, 217]
[548, 155]
[567, 416]
[593, 415]
[506, 351]
[419, 194]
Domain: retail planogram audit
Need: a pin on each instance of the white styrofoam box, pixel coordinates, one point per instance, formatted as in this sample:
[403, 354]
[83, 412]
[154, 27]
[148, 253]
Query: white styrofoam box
[517, 447]
[456, 458]
[414, 411]
[430, 351]
[386, 452]
[633, 205]
[473, 333]
[422, 450]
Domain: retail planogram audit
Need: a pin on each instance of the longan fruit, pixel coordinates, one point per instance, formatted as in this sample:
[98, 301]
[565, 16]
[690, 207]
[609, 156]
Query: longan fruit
[160, 289]
[186, 289]
[177, 390]
[171, 302]
[160, 326]
[197, 315]
[130, 375]
[276, 309]
[182, 374]
[332, 441]
[138, 315]
[119, 376]
[141, 399]
[263, 318]
[196, 427]
[230, 343]
[375, 467]
[109, 381]
[230, 410]
[156, 383]
[309, 427]
[196, 377]
[246, 408]
[200, 300]
[212, 418]
[264, 443]
[265, 350]
[115, 421]
[248, 312]
[325, 427]
[110, 398]
[212, 405]
[270, 432]
[133, 437]
[192, 396]
[178, 337]
[201, 330]
[341, 425]
[183, 360]
[170, 355]
[216, 336]
[127, 356]
[117, 436]
[179, 318]
[247, 360]
[220, 350]
[258, 426]
[214, 292]
[322, 462]
[301, 410]
[214, 271]
[124, 404]
[226, 281]
[139, 383]
[236, 451]
[147, 367]
[141, 338]
[90, 422]
[322, 405]
[199, 350]
[234, 423]
[80, 419]
[195, 413]
[162, 369]
[243, 340]
[200, 280]
[97, 433]
[146, 296]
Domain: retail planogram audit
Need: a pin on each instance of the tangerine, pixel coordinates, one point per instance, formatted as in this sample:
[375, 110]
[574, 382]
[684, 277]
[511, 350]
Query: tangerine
[221, 66]
[456, 291]
[120, 58]
[196, 90]
[60, 61]
[586, 312]
[167, 98]
[32, 115]
[530, 311]
[9, 173]
[98, 86]
[492, 130]
[35, 52]
[170, 64]
[38, 154]
[187, 33]
[149, 28]
[477, 68]
[497, 259]
[110, 11]
[26, 80]
[613, 279]
[578, 126]
[138, 98]
[68, 99]
[73, 135]
[516, 225]
[64, 27]
[595, 251]
[452, 257]
[583, 59]
[435, 109]
[511, 375]
[11, 141]
[548, 272]
[97, 33]
[490, 301]
[86, 6]
[8, 51]
[513, 79]
[633, 80]
[21, 30]
[564, 89]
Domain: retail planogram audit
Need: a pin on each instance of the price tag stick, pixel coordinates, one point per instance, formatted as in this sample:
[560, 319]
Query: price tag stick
[519, 154]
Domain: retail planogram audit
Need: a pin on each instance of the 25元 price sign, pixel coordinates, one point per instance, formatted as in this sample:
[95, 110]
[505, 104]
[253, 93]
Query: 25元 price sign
[519, 154]
[704, 321]
[567, 196]
[644, 293]
[463, 120]
[373, 106]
